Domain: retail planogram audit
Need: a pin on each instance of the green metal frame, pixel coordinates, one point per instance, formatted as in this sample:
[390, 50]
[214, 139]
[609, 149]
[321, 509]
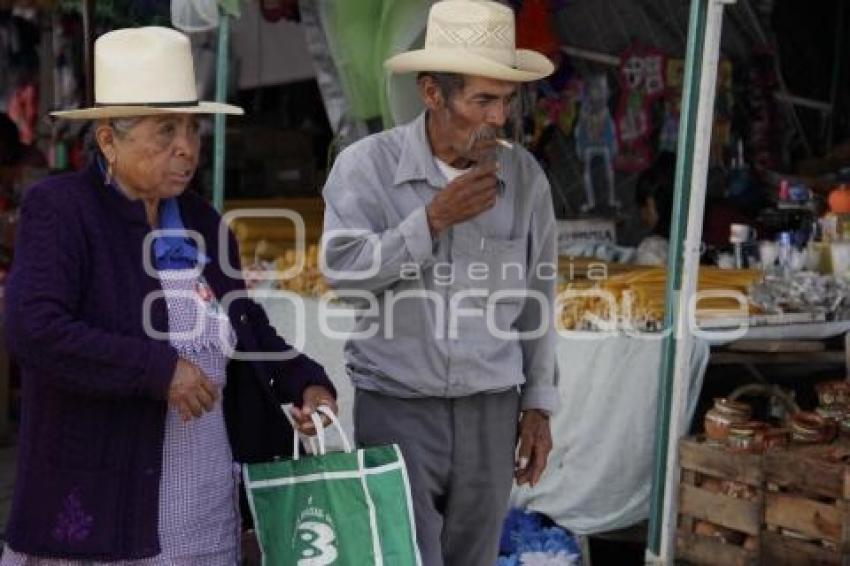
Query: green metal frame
[684, 172]
[221, 79]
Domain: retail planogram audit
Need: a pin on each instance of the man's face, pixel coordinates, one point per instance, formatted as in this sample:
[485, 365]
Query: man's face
[474, 117]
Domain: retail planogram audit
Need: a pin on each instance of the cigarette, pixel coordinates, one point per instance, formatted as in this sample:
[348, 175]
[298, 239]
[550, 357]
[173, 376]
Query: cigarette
[504, 143]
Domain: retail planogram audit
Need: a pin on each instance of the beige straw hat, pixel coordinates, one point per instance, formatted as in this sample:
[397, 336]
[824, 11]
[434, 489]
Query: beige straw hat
[143, 72]
[473, 37]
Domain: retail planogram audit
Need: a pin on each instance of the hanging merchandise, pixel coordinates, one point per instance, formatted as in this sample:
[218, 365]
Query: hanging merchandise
[721, 136]
[22, 108]
[764, 135]
[642, 82]
[721, 133]
[557, 101]
[669, 136]
[534, 26]
[194, 15]
[596, 139]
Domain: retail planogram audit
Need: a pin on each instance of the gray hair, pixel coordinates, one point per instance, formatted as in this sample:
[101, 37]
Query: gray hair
[121, 126]
[449, 84]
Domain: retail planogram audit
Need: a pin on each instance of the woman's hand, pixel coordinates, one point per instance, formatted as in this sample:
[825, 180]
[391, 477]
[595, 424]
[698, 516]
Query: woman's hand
[314, 396]
[191, 392]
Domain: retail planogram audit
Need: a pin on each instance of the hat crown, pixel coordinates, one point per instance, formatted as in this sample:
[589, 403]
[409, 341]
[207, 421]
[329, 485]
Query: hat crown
[149, 65]
[480, 26]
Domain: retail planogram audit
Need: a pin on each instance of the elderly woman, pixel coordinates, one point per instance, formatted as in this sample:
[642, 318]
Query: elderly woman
[138, 396]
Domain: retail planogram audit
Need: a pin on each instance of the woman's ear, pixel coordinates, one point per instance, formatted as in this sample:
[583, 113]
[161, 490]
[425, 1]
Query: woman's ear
[104, 135]
[431, 94]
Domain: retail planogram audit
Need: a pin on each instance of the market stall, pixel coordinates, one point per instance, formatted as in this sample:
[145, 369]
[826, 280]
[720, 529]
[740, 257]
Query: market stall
[768, 157]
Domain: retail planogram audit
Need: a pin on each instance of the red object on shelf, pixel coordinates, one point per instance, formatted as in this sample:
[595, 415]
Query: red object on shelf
[839, 199]
[534, 28]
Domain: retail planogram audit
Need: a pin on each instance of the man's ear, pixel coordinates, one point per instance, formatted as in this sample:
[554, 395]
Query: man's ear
[431, 94]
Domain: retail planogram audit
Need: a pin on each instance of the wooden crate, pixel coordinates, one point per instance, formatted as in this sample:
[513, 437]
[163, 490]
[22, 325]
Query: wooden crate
[701, 465]
[807, 505]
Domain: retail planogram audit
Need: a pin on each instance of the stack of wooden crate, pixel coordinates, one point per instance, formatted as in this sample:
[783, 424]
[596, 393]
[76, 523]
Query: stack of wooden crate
[789, 506]
[721, 502]
[807, 505]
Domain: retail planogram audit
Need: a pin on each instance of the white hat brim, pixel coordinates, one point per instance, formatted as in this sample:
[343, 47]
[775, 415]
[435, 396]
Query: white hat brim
[530, 65]
[131, 111]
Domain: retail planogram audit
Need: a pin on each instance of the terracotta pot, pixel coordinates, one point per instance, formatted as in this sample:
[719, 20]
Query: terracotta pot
[743, 437]
[833, 392]
[773, 438]
[811, 428]
[724, 414]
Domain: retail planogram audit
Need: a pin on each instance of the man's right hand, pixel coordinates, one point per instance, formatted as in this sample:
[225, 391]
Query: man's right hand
[191, 392]
[466, 197]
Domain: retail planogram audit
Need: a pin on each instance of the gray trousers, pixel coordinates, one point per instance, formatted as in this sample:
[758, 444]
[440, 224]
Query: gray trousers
[460, 458]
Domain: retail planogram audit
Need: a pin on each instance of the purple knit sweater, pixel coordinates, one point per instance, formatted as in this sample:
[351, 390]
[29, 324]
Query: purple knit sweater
[94, 385]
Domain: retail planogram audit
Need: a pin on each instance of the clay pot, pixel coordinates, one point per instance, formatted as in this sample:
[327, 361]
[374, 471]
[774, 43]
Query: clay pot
[743, 437]
[773, 438]
[833, 392]
[811, 428]
[724, 414]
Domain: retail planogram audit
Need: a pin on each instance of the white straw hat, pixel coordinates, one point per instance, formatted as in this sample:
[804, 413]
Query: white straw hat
[143, 72]
[473, 37]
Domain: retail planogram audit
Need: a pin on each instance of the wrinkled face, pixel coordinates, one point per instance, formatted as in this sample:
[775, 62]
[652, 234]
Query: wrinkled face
[474, 117]
[156, 157]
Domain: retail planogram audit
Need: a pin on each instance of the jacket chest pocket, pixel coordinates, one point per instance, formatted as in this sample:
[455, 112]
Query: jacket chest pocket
[490, 274]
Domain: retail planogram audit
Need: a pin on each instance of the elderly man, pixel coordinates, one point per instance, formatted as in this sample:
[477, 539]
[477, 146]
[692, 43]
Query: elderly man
[448, 233]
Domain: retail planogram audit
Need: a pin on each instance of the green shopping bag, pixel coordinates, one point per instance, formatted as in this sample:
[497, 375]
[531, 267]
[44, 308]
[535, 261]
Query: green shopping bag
[349, 508]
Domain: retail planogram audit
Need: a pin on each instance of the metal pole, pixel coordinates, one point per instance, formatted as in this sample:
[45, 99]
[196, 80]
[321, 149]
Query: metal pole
[220, 96]
[88, 50]
[838, 60]
[703, 53]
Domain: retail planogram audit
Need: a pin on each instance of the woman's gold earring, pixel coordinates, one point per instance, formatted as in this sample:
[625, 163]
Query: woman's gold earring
[109, 171]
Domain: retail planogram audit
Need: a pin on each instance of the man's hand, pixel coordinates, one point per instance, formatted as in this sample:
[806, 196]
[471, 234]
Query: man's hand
[466, 197]
[314, 396]
[535, 443]
[191, 392]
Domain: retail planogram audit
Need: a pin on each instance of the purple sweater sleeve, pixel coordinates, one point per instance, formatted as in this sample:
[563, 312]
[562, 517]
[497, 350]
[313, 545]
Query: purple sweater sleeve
[294, 374]
[45, 333]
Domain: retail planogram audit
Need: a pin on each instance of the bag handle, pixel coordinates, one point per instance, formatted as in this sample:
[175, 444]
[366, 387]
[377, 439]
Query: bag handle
[320, 432]
[320, 436]
[325, 410]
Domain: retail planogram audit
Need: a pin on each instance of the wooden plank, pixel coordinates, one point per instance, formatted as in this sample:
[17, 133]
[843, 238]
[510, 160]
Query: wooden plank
[772, 346]
[736, 514]
[719, 463]
[686, 522]
[847, 353]
[707, 551]
[780, 550]
[806, 516]
[738, 358]
[804, 469]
